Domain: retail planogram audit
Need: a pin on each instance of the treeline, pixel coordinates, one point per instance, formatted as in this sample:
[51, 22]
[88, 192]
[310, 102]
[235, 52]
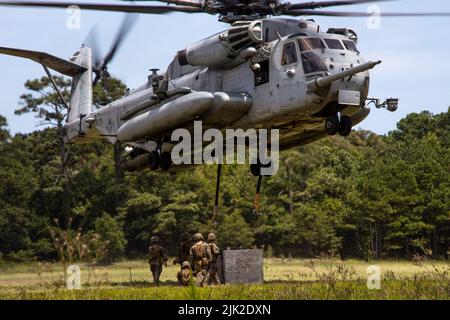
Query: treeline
[365, 196]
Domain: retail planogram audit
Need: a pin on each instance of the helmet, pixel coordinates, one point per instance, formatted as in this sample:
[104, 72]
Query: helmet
[198, 237]
[154, 239]
[211, 237]
[185, 264]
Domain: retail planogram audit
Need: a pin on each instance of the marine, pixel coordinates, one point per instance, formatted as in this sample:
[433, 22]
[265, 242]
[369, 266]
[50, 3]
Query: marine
[198, 258]
[157, 257]
[212, 253]
[184, 276]
[183, 250]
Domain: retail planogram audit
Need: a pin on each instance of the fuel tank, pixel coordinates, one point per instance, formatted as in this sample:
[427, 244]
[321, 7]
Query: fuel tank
[227, 108]
[171, 115]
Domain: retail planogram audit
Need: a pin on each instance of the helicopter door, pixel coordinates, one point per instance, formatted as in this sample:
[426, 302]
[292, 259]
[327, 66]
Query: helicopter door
[289, 74]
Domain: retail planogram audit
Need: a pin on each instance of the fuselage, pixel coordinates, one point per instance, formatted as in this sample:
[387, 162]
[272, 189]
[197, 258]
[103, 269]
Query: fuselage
[257, 74]
[296, 53]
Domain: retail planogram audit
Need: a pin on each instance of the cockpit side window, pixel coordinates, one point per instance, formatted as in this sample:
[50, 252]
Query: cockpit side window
[350, 45]
[312, 63]
[289, 54]
[334, 44]
[307, 44]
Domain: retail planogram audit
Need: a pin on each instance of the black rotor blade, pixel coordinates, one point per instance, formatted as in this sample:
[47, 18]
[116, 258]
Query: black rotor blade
[91, 41]
[101, 67]
[188, 3]
[127, 24]
[364, 14]
[96, 79]
[116, 7]
[324, 4]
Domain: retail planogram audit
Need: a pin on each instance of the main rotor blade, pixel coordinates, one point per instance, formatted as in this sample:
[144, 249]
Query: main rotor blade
[324, 4]
[364, 14]
[127, 24]
[116, 7]
[188, 3]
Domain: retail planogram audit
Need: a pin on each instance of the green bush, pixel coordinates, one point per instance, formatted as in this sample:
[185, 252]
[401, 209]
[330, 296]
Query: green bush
[111, 233]
[234, 232]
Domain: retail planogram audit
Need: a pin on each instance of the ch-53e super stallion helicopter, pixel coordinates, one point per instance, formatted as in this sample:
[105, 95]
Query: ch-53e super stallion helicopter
[259, 73]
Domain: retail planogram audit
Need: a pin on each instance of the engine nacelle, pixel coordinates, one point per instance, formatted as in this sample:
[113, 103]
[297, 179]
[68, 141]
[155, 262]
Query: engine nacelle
[222, 50]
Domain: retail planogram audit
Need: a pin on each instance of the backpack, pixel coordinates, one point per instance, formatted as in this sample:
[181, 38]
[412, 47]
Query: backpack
[155, 254]
[199, 250]
[213, 252]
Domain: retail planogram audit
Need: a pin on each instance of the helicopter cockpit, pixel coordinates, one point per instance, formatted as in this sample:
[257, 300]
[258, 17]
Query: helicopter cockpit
[314, 52]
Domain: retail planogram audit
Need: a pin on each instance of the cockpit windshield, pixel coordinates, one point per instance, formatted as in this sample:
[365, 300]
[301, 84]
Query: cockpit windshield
[307, 44]
[350, 45]
[334, 44]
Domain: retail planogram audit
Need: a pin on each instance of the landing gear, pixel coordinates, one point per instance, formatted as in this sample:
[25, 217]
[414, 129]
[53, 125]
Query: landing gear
[255, 168]
[154, 160]
[345, 126]
[333, 125]
[166, 161]
[158, 160]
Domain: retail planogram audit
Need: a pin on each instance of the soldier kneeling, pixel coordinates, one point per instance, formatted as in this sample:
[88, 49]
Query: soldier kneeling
[184, 276]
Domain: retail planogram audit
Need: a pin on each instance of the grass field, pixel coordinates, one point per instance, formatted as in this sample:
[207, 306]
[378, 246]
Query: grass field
[284, 279]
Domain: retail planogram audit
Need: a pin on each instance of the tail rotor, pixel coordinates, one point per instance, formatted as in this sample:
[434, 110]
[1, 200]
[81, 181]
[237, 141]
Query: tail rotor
[100, 62]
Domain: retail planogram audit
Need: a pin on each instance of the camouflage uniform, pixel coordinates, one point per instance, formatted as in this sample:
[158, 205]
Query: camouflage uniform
[212, 254]
[197, 256]
[184, 276]
[183, 251]
[156, 258]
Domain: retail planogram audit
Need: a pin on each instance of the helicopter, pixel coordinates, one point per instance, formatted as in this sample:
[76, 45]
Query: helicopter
[263, 72]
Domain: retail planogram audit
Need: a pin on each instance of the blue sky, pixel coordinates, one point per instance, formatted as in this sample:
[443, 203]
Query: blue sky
[415, 52]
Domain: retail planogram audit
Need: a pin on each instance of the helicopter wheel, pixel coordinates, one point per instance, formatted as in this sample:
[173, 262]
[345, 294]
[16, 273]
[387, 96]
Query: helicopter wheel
[166, 161]
[255, 169]
[154, 160]
[332, 125]
[345, 126]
